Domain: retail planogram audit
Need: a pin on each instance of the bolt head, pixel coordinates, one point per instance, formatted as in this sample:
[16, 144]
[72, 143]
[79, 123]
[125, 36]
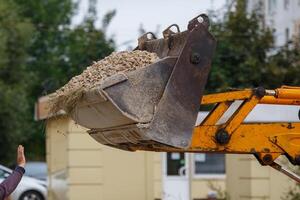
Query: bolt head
[260, 92]
[195, 58]
[267, 159]
[222, 137]
[184, 143]
[200, 19]
[297, 160]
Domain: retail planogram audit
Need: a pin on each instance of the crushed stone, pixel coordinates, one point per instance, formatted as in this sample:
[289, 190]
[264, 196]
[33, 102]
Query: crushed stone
[67, 96]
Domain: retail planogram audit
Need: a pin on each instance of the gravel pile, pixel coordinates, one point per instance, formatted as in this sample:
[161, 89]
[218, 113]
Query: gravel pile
[66, 97]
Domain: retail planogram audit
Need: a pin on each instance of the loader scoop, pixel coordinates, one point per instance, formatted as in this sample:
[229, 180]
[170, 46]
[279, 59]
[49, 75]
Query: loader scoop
[156, 105]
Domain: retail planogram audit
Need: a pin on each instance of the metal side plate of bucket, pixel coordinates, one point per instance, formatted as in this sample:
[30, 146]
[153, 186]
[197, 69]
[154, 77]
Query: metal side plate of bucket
[157, 104]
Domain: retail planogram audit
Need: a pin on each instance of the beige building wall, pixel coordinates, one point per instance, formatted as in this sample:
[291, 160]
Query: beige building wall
[56, 155]
[247, 179]
[157, 176]
[81, 168]
[201, 187]
[85, 165]
[89, 170]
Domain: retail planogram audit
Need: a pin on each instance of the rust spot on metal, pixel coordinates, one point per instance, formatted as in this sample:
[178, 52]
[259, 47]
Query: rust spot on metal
[253, 151]
[290, 126]
[275, 140]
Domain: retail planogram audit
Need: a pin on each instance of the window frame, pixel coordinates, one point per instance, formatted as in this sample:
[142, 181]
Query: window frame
[287, 34]
[174, 177]
[207, 175]
[272, 6]
[184, 166]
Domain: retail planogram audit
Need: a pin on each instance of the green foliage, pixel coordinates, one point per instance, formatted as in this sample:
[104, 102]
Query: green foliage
[50, 19]
[107, 19]
[15, 33]
[293, 193]
[58, 51]
[241, 54]
[284, 67]
[246, 57]
[39, 52]
[221, 194]
[85, 44]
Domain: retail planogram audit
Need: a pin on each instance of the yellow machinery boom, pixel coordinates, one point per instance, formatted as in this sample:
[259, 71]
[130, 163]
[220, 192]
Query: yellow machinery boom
[266, 141]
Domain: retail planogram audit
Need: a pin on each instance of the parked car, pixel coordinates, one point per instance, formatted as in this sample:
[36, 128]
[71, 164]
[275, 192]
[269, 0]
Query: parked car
[36, 170]
[28, 189]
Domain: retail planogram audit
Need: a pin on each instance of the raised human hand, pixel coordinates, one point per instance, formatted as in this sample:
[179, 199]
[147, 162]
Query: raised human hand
[21, 160]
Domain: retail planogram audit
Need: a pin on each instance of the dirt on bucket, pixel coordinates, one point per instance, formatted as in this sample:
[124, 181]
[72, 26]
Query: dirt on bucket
[67, 97]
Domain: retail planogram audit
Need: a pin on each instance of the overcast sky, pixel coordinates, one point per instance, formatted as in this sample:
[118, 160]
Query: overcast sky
[154, 14]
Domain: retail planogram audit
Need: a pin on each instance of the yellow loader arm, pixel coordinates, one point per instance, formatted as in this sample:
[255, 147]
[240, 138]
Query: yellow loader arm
[266, 141]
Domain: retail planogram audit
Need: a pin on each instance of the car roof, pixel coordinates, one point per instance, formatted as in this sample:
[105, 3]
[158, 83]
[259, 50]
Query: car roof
[36, 163]
[5, 168]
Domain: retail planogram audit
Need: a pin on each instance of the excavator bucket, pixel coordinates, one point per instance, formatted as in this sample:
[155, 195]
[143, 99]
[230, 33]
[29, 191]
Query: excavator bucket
[155, 106]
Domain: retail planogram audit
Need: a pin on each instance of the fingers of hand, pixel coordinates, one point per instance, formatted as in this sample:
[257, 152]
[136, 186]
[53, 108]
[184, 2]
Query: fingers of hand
[21, 157]
[20, 149]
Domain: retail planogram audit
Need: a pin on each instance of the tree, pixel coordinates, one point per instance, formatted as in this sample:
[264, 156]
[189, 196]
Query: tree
[59, 51]
[39, 52]
[246, 57]
[86, 43]
[283, 67]
[15, 33]
[241, 54]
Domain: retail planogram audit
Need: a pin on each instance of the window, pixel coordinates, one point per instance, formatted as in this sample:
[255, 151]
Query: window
[272, 6]
[286, 4]
[287, 35]
[175, 164]
[209, 164]
[3, 174]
